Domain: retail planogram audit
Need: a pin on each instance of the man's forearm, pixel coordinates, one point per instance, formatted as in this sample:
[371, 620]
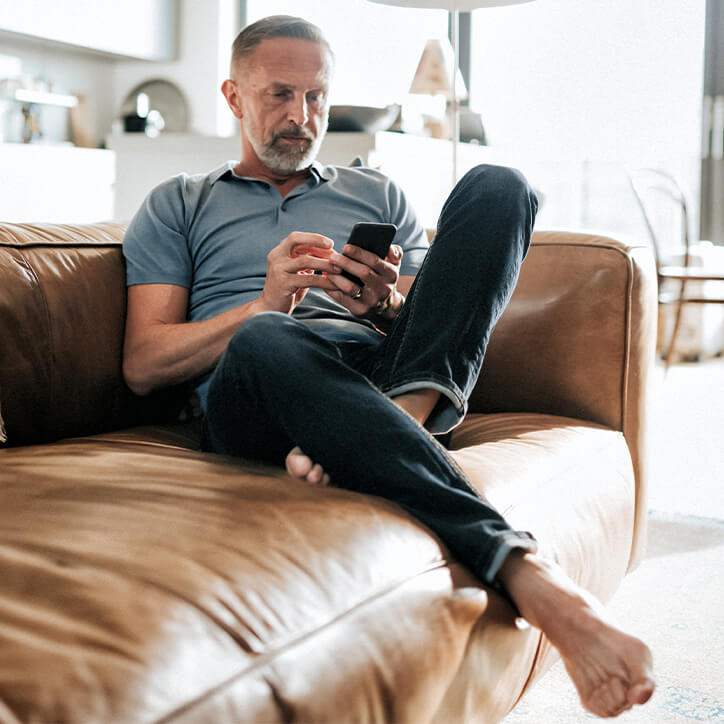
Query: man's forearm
[169, 354]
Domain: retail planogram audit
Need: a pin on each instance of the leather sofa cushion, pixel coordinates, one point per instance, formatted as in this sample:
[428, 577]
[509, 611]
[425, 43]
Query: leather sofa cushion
[143, 579]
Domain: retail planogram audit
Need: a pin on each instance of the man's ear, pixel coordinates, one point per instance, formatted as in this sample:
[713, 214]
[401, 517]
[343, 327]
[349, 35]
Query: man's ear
[233, 97]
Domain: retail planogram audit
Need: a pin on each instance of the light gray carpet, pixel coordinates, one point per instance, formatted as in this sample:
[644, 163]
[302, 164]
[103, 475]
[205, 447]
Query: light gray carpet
[675, 600]
[687, 440]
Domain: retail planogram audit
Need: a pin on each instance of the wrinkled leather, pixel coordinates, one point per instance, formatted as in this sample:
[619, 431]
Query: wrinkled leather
[60, 369]
[144, 580]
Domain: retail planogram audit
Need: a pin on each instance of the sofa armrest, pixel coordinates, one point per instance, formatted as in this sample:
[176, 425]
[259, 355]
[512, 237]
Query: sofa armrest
[578, 340]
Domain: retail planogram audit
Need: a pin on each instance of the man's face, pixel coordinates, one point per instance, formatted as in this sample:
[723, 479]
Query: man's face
[284, 88]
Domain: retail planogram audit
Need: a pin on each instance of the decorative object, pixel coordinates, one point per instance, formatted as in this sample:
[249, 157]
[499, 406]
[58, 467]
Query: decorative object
[362, 118]
[454, 7]
[81, 125]
[155, 105]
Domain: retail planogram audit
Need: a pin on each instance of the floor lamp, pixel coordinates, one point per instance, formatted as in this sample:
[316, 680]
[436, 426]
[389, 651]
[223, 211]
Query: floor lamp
[454, 7]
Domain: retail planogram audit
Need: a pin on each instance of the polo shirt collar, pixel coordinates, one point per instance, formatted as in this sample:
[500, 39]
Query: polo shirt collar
[324, 172]
[317, 169]
[220, 171]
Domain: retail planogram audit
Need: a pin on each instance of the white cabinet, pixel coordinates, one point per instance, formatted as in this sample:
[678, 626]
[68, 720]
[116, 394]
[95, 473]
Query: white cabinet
[144, 29]
[60, 184]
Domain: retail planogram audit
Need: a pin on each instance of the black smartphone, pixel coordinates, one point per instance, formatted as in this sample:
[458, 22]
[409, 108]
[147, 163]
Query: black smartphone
[372, 237]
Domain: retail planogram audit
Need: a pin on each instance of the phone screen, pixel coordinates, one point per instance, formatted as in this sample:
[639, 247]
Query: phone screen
[371, 236]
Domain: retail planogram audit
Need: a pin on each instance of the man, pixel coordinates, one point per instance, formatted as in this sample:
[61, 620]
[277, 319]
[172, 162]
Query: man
[342, 381]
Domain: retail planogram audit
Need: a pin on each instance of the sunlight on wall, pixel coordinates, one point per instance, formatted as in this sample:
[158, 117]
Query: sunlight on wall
[615, 80]
[377, 47]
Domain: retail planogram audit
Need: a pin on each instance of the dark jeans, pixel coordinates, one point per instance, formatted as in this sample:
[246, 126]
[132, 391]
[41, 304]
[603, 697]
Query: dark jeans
[280, 384]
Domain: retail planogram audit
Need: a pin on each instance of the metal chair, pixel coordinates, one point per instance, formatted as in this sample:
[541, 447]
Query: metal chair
[652, 186]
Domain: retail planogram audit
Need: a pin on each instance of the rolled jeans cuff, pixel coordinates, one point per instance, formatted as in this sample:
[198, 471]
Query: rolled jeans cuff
[507, 542]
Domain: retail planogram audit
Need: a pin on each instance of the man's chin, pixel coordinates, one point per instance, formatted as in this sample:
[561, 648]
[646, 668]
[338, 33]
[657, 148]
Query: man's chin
[290, 162]
[287, 166]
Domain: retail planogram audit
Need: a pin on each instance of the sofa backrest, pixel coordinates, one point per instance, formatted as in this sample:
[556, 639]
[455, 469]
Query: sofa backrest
[62, 310]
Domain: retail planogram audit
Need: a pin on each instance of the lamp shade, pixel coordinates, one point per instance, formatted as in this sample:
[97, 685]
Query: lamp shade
[460, 5]
[434, 71]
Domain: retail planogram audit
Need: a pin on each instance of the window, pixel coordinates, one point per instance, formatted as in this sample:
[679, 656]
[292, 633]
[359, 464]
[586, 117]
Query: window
[586, 88]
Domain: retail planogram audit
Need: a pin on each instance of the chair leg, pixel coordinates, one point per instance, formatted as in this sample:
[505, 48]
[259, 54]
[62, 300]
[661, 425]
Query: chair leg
[675, 331]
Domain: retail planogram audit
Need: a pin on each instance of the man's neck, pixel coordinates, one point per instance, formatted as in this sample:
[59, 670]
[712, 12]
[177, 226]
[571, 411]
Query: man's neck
[283, 182]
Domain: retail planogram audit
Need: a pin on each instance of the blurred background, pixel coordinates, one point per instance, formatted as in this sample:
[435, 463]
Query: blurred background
[100, 101]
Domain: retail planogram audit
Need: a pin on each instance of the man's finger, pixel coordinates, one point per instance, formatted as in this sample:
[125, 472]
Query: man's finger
[312, 281]
[303, 238]
[305, 249]
[394, 255]
[304, 261]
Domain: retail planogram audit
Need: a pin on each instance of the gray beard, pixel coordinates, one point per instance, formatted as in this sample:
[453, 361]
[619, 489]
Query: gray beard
[287, 160]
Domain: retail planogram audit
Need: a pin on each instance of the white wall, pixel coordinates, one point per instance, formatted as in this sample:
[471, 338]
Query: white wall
[619, 80]
[206, 31]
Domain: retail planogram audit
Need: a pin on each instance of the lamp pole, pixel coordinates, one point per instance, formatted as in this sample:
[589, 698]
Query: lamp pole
[456, 114]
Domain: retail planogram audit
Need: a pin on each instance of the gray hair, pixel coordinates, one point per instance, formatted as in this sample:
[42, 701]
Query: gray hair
[275, 26]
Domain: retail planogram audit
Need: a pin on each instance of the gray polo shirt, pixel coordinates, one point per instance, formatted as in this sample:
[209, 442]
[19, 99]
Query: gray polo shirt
[211, 234]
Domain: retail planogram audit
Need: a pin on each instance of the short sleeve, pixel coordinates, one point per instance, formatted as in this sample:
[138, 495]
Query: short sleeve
[155, 245]
[410, 234]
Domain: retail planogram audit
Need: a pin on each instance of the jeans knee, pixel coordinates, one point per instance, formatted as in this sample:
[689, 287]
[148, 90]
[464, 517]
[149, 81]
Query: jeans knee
[493, 203]
[505, 181]
[260, 336]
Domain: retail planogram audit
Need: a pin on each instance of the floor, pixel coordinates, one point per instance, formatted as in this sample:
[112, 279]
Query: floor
[687, 439]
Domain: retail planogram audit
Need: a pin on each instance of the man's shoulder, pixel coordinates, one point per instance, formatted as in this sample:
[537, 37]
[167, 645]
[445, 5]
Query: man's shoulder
[184, 191]
[359, 174]
[361, 179]
[189, 182]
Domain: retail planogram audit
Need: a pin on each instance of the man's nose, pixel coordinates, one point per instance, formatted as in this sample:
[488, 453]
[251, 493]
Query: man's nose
[298, 111]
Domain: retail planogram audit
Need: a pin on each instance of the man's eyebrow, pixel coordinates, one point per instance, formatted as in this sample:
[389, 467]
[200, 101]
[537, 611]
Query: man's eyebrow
[277, 86]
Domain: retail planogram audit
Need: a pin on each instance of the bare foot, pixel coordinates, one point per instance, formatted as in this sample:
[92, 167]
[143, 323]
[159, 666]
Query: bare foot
[611, 670]
[300, 466]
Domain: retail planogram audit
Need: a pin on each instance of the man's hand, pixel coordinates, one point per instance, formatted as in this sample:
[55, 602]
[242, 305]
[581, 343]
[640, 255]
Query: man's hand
[290, 271]
[379, 296]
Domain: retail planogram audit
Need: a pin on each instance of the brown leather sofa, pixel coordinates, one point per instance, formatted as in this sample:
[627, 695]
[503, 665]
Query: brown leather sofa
[144, 581]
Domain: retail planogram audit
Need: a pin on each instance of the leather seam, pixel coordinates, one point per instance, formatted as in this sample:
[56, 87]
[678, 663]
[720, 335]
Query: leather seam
[268, 657]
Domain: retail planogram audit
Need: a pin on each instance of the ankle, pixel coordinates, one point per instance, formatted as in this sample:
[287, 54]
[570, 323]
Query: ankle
[539, 588]
[418, 403]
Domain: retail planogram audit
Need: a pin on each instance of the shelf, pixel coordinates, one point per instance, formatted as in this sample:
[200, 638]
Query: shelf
[46, 98]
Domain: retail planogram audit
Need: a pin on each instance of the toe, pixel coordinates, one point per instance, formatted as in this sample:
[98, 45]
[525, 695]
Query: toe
[314, 476]
[298, 464]
[616, 699]
[640, 693]
[641, 675]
